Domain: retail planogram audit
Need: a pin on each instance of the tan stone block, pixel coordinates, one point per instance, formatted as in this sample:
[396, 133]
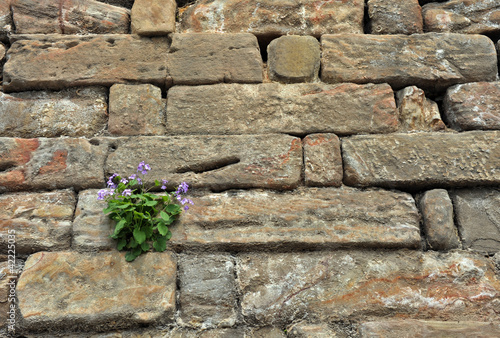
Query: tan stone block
[305, 330]
[153, 17]
[416, 112]
[395, 17]
[322, 160]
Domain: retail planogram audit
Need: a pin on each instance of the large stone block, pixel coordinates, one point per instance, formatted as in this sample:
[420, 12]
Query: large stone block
[71, 112]
[153, 17]
[276, 108]
[274, 17]
[330, 286]
[322, 160]
[429, 61]
[394, 17]
[196, 59]
[422, 159]
[57, 62]
[68, 290]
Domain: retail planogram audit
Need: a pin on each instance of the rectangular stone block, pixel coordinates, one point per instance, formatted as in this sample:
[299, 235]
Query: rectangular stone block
[394, 17]
[153, 17]
[275, 108]
[429, 61]
[422, 160]
[57, 62]
[322, 160]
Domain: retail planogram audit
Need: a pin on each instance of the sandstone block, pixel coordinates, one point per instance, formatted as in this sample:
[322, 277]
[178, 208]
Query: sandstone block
[273, 17]
[5, 21]
[136, 110]
[266, 332]
[416, 112]
[473, 106]
[322, 160]
[328, 286]
[304, 330]
[276, 108]
[429, 61]
[458, 16]
[215, 162]
[70, 112]
[422, 160]
[293, 59]
[68, 290]
[395, 17]
[207, 291]
[478, 218]
[196, 59]
[437, 212]
[87, 60]
[153, 17]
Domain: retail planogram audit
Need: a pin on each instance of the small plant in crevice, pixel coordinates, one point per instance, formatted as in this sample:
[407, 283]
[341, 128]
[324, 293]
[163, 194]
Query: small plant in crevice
[142, 218]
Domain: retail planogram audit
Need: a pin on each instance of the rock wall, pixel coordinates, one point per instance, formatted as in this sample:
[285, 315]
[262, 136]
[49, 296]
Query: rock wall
[344, 158]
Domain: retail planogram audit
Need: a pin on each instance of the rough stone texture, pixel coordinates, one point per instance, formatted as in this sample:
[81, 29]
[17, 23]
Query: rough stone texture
[50, 164]
[69, 17]
[274, 17]
[276, 108]
[267, 332]
[153, 17]
[416, 112]
[394, 17]
[293, 59]
[420, 328]
[437, 212]
[136, 110]
[422, 160]
[70, 112]
[196, 59]
[83, 292]
[280, 288]
[41, 221]
[3, 50]
[122, 3]
[207, 291]
[9, 272]
[459, 16]
[322, 160]
[430, 61]
[304, 330]
[307, 218]
[5, 20]
[55, 62]
[478, 218]
[473, 106]
[215, 162]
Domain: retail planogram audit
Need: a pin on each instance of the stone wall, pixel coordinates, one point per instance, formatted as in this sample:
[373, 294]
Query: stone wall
[344, 159]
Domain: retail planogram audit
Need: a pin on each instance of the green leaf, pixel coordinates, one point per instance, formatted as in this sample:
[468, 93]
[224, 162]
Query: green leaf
[160, 244]
[173, 209]
[169, 235]
[130, 256]
[145, 246]
[121, 243]
[148, 230]
[151, 203]
[157, 183]
[164, 216]
[139, 235]
[123, 206]
[132, 243]
[119, 226]
[162, 229]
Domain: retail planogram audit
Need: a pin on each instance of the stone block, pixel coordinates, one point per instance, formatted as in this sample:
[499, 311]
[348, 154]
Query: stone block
[477, 213]
[9, 272]
[322, 160]
[273, 17]
[136, 110]
[473, 106]
[70, 112]
[57, 62]
[78, 292]
[416, 112]
[395, 17]
[266, 332]
[296, 109]
[305, 330]
[422, 160]
[153, 17]
[196, 59]
[5, 21]
[429, 61]
[69, 17]
[293, 59]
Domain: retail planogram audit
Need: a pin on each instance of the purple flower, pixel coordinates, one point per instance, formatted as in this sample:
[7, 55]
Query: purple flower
[127, 192]
[143, 168]
[164, 184]
[111, 184]
[124, 181]
[103, 193]
[132, 177]
[182, 189]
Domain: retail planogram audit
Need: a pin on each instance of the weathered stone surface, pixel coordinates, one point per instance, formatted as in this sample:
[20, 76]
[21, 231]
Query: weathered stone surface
[196, 59]
[473, 106]
[305, 218]
[71, 112]
[477, 212]
[395, 17]
[41, 221]
[50, 164]
[276, 108]
[136, 110]
[293, 59]
[429, 61]
[459, 16]
[437, 212]
[122, 3]
[207, 291]
[273, 17]
[416, 112]
[422, 160]
[83, 292]
[9, 272]
[267, 332]
[56, 62]
[153, 17]
[5, 20]
[420, 328]
[304, 330]
[3, 49]
[322, 160]
[327, 286]
[215, 162]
